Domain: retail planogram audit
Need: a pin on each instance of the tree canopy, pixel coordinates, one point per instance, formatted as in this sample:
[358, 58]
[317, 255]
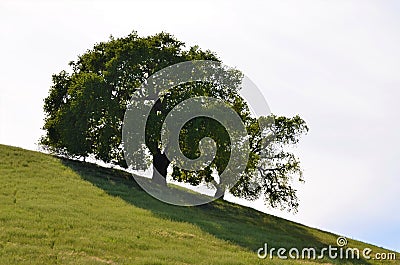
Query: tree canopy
[85, 112]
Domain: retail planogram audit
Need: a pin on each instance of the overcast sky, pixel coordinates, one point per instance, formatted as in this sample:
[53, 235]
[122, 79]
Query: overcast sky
[336, 63]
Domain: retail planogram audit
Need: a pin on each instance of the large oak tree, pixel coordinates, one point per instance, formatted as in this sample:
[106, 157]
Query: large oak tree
[85, 111]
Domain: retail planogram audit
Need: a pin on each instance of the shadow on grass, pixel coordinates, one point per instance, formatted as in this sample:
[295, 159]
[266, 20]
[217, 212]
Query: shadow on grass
[237, 224]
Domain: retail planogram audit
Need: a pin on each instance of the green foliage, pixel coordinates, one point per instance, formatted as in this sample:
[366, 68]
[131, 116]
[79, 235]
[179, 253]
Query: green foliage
[276, 166]
[85, 111]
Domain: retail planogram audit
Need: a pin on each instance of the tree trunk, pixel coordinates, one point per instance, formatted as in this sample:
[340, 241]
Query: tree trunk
[160, 167]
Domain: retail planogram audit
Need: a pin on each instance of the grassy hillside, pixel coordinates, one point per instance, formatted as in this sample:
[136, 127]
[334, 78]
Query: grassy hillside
[57, 211]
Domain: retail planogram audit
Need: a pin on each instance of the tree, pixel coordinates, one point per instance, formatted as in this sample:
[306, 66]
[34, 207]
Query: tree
[85, 111]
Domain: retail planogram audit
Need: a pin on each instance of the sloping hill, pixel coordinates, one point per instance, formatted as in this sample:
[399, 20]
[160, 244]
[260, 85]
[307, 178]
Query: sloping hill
[58, 211]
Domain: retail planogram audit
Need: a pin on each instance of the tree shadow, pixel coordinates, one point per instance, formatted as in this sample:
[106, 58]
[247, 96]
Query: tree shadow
[237, 224]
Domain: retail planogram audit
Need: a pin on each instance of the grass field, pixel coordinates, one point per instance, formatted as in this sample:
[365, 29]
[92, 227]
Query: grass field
[58, 211]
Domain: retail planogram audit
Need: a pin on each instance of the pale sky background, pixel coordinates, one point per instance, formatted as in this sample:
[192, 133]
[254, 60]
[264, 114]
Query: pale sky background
[336, 63]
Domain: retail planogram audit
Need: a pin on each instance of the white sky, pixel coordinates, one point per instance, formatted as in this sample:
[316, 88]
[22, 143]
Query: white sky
[336, 63]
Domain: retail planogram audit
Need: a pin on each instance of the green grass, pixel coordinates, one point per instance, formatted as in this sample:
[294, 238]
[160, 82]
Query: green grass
[58, 211]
